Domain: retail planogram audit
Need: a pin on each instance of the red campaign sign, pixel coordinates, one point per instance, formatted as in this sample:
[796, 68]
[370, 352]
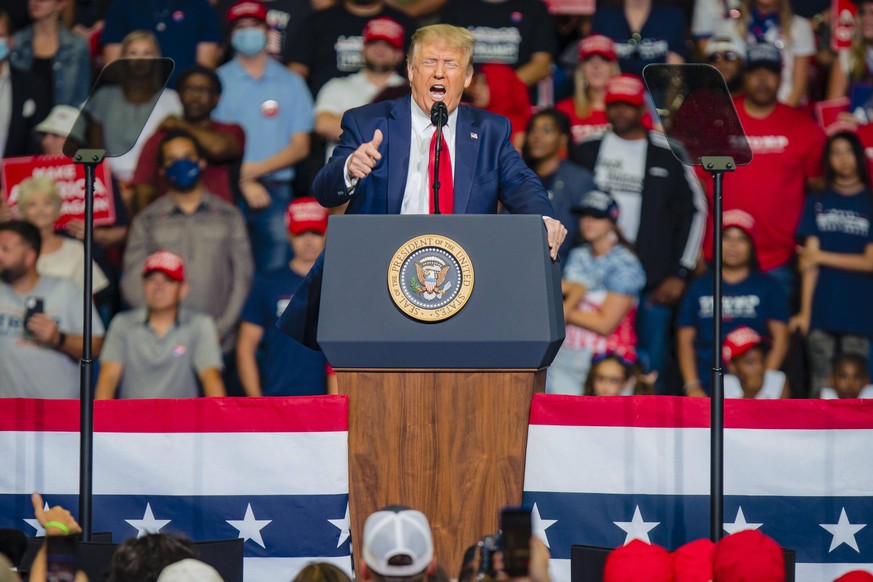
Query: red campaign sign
[570, 6]
[842, 24]
[70, 179]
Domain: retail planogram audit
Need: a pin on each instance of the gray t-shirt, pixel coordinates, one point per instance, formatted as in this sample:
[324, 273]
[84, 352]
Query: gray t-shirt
[162, 367]
[29, 369]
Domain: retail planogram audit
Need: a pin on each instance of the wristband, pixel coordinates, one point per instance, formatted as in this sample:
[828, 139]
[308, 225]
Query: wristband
[57, 525]
[62, 337]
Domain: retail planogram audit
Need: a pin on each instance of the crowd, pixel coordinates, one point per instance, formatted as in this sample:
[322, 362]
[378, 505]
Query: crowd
[214, 225]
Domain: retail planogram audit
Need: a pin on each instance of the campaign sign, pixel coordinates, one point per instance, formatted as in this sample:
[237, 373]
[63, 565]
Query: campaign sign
[70, 179]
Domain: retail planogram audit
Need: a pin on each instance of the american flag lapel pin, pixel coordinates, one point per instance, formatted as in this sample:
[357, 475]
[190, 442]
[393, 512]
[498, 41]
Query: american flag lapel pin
[474, 135]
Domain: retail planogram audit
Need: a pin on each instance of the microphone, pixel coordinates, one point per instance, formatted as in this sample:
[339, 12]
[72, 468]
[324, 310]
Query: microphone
[439, 115]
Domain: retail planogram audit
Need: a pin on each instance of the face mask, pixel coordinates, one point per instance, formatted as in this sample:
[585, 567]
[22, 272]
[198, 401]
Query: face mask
[4, 49]
[249, 41]
[183, 174]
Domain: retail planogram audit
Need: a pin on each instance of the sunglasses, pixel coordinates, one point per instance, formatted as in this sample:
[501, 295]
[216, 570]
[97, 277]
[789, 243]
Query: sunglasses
[729, 56]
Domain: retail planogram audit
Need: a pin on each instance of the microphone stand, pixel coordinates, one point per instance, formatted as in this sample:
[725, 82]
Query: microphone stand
[438, 116]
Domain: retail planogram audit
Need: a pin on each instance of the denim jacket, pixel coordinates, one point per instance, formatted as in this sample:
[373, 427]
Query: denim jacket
[71, 64]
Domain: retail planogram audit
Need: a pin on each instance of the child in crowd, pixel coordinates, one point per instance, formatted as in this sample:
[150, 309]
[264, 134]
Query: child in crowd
[849, 378]
[743, 353]
[618, 374]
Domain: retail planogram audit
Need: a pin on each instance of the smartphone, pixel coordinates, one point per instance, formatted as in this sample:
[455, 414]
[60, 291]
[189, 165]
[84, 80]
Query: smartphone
[62, 558]
[515, 524]
[32, 306]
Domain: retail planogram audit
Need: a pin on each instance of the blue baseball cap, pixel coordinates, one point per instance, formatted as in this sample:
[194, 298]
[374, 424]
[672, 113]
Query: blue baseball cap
[597, 204]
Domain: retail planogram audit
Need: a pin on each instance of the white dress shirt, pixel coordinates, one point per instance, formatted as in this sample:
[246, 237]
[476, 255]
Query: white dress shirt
[418, 193]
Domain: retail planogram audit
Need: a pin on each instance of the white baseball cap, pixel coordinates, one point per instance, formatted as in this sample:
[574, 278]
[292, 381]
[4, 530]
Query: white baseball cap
[190, 570]
[60, 121]
[397, 542]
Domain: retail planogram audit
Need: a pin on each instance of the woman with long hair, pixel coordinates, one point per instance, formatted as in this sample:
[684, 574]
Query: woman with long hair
[836, 260]
[855, 66]
[53, 53]
[773, 22]
[602, 281]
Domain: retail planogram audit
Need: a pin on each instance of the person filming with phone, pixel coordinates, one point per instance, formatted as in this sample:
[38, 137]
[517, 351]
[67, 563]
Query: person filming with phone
[41, 322]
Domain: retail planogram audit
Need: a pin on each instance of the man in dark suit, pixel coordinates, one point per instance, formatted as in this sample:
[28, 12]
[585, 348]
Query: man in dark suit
[23, 102]
[382, 164]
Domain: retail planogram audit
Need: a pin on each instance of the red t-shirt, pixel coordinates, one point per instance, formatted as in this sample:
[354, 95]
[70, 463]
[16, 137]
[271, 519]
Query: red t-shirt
[787, 149]
[594, 122]
[865, 134]
[216, 177]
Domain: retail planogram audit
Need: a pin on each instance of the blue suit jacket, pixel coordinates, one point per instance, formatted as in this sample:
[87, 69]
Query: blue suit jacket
[487, 167]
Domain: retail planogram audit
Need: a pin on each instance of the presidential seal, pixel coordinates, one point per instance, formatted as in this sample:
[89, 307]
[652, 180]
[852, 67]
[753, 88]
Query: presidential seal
[430, 278]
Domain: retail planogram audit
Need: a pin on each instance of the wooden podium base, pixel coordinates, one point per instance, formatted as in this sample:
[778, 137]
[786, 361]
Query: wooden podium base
[450, 443]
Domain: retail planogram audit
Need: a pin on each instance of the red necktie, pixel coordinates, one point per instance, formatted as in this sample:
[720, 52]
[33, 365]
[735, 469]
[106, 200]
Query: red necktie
[447, 188]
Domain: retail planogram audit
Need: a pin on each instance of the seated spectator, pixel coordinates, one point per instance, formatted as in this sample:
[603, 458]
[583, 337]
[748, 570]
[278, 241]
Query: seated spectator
[644, 32]
[744, 353]
[774, 23]
[726, 52]
[190, 36]
[602, 281]
[275, 110]
[125, 115]
[638, 560]
[587, 107]
[28, 100]
[836, 261]
[54, 54]
[382, 54]
[397, 543]
[497, 89]
[199, 90]
[749, 298]
[545, 147]
[617, 374]
[748, 555]
[285, 367]
[161, 350]
[849, 378]
[41, 322]
[39, 203]
[206, 232]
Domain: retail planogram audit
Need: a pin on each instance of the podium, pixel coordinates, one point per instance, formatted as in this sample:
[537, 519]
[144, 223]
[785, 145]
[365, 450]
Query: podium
[440, 362]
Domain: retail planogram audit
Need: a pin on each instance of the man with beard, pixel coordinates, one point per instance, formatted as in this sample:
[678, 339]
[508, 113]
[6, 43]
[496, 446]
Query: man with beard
[199, 90]
[41, 322]
[726, 53]
[206, 232]
[329, 43]
[383, 53]
[663, 210]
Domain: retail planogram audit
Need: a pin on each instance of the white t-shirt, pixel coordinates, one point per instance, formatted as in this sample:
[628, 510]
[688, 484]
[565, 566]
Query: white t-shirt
[774, 382]
[620, 170]
[831, 394]
[68, 262]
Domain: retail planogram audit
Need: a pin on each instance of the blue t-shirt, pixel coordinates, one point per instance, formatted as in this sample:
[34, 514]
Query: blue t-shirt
[179, 25]
[662, 33]
[752, 302]
[842, 225]
[287, 368]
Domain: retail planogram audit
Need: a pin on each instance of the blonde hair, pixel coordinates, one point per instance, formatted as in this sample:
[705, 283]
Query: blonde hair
[858, 52]
[39, 185]
[453, 36]
[581, 99]
[136, 35]
[786, 17]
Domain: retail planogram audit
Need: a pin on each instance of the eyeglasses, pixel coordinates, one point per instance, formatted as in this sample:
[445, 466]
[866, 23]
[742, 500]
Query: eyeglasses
[729, 56]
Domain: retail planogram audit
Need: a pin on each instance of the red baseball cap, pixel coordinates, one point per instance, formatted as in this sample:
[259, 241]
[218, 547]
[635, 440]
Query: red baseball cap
[693, 561]
[306, 215]
[748, 556]
[856, 576]
[625, 88]
[386, 29]
[247, 9]
[170, 264]
[740, 219]
[638, 561]
[738, 342]
[597, 45]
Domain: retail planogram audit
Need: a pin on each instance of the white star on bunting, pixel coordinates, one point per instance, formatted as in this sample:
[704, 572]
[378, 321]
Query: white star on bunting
[148, 524]
[843, 532]
[249, 527]
[636, 528]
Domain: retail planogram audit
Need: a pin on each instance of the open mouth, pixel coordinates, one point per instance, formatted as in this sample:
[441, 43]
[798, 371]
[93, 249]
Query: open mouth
[438, 92]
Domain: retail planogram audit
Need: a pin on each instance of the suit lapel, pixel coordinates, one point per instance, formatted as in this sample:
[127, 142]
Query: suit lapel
[399, 131]
[466, 156]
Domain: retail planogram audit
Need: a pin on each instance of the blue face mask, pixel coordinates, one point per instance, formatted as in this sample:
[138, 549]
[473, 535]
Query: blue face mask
[4, 49]
[249, 41]
[183, 174]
